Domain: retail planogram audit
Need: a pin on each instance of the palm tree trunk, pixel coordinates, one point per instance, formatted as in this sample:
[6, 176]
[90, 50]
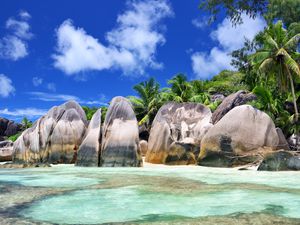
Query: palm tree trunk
[294, 96]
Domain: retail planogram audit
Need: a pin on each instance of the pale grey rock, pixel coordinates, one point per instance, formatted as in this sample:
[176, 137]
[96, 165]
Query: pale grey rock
[181, 123]
[241, 131]
[89, 150]
[120, 137]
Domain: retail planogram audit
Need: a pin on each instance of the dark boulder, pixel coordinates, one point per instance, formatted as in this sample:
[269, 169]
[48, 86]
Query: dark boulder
[231, 101]
[280, 161]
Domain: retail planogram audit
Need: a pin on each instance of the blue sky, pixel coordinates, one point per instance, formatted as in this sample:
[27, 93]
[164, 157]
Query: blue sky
[52, 51]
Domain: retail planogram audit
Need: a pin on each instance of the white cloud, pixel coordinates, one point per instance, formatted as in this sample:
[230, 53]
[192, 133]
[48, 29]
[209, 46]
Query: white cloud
[13, 45]
[28, 112]
[49, 97]
[20, 29]
[24, 15]
[229, 38]
[37, 81]
[51, 87]
[200, 22]
[131, 46]
[6, 87]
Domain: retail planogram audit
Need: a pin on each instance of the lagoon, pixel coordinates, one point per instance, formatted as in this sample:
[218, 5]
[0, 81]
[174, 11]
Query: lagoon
[153, 194]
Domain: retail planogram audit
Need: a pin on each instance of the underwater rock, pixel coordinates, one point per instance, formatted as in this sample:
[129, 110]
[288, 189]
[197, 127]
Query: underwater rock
[120, 137]
[183, 124]
[238, 138]
[231, 101]
[280, 161]
[89, 150]
[53, 138]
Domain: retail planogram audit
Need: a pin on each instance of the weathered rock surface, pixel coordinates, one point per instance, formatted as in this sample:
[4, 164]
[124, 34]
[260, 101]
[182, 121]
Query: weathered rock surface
[54, 138]
[294, 142]
[9, 128]
[181, 153]
[6, 151]
[143, 147]
[120, 137]
[231, 101]
[238, 138]
[283, 144]
[89, 150]
[175, 127]
[280, 161]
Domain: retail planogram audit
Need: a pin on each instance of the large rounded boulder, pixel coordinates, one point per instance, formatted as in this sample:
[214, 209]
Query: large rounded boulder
[238, 138]
[53, 138]
[176, 133]
[89, 150]
[120, 137]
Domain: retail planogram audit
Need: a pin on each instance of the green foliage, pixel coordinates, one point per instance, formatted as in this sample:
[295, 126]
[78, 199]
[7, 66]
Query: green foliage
[180, 88]
[13, 138]
[275, 59]
[234, 8]
[103, 113]
[89, 111]
[286, 10]
[26, 123]
[147, 102]
[225, 83]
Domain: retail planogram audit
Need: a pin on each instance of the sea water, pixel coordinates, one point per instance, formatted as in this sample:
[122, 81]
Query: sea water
[154, 194]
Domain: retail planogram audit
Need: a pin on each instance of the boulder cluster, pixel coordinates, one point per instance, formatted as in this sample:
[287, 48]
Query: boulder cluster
[63, 135]
[181, 134]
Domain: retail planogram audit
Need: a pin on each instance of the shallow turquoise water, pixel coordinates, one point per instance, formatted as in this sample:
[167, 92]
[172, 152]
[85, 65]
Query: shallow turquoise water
[74, 195]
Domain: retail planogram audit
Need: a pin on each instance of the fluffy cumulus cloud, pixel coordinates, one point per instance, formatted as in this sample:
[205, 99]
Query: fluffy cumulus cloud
[13, 45]
[131, 46]
[228, 38]
[6, 87]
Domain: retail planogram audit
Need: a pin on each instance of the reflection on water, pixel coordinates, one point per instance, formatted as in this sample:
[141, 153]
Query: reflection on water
[158, 195]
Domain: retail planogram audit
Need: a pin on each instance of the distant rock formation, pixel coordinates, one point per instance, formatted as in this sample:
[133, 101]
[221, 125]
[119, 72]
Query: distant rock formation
[89, 150]
[6, 151]
[176, 131]
[120, 137]
[8, 128]
[233, 100]
[53, 138]
[238, 137]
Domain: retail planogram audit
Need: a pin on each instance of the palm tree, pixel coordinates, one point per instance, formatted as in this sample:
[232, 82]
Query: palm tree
[278, 57]
[26, 123]
[146, 104]
[180, 89]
